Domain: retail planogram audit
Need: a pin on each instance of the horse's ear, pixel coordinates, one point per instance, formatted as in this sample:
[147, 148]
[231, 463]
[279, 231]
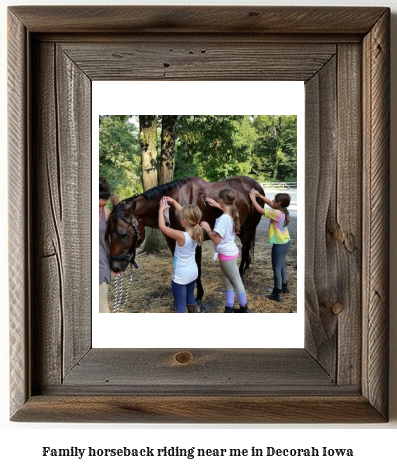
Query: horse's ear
[115, 201]
[129, 208]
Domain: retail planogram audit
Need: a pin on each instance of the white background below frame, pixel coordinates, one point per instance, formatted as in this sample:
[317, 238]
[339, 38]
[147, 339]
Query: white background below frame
[204, 330]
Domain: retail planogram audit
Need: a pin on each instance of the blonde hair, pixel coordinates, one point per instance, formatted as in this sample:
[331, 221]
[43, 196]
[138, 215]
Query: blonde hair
[192, 215]
[229, 195]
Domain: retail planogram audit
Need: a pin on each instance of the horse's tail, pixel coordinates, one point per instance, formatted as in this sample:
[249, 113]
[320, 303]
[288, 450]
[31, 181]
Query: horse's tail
[252, 248]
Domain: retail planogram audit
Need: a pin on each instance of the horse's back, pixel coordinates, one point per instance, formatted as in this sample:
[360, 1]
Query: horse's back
[247, 183]
[238, 183]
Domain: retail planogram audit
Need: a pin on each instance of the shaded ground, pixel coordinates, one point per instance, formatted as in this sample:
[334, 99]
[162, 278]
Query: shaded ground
[150, 289]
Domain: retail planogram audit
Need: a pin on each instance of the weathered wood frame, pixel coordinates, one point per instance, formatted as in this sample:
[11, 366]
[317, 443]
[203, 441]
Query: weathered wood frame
[342, 54]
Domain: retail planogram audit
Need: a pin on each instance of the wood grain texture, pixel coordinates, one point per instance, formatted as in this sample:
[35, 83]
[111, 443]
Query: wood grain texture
[320, 173]
[222, 59]
[73, 109]
[198, 19]
[19, 228]
[198, 409]
[206, 370]
[62, 255]
[375, 322]
[47, 315]
[341, 375]
[345, 228]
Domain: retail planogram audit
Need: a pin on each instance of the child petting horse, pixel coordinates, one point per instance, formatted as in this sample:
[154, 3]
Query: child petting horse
[278, 236]
[223, 234]
[127, 222]
[185, 271]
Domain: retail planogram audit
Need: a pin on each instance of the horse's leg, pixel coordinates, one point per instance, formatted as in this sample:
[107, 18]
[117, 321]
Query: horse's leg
[245, 250]
[247, 239]
[200, 290]
[171, 245]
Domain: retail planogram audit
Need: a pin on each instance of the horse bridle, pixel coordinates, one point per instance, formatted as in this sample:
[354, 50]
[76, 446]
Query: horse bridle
[129, 257]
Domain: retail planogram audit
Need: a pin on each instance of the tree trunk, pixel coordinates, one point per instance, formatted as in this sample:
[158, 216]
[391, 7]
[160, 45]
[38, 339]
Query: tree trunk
[148, 142]
[167, 159]
[154, 240]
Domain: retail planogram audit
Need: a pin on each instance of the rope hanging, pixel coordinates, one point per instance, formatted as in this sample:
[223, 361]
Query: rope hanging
[119, 302]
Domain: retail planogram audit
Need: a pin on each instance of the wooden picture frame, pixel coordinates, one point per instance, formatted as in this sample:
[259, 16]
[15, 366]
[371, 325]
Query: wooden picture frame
[342, 54]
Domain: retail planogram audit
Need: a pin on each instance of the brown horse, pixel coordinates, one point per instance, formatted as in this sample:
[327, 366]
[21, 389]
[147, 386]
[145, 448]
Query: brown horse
[126, 227]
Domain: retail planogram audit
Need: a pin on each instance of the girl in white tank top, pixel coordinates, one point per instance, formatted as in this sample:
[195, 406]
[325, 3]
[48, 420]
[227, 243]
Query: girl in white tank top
[185, 271]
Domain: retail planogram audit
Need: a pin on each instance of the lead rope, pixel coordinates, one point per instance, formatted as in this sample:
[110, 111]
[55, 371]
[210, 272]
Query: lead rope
[118, 292]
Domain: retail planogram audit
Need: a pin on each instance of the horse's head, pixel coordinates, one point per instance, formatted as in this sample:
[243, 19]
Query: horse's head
[126, 232]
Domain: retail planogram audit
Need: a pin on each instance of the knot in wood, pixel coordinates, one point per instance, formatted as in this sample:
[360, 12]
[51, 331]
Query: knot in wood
[338, 235]
[183, 358]
[337, 308]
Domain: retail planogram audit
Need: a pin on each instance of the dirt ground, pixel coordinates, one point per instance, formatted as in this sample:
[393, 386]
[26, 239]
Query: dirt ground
[150, 289]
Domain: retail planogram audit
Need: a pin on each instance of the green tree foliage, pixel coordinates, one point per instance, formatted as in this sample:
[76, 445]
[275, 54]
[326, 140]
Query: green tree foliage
[213, 146]
[209, 146]
[276, 147]
[119, 154]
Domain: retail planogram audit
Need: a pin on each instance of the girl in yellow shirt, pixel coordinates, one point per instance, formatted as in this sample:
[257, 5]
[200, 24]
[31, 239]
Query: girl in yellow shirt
[278, 236]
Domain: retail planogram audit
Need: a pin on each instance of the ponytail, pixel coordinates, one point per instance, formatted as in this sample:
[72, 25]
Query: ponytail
[236, 219]
[198, 235]
[192, 213]
[229, 195]
[286, 212]
[284, 199]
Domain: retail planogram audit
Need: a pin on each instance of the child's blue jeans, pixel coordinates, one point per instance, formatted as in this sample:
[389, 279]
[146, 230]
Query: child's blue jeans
[183, 295]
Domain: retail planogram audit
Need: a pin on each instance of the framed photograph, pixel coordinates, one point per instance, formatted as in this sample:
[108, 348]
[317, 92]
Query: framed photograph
[342, 56]
[257, 109]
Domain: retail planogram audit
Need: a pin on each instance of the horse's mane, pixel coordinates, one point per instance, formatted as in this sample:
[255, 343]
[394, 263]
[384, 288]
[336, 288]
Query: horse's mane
[159, 190]
[164, 188]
